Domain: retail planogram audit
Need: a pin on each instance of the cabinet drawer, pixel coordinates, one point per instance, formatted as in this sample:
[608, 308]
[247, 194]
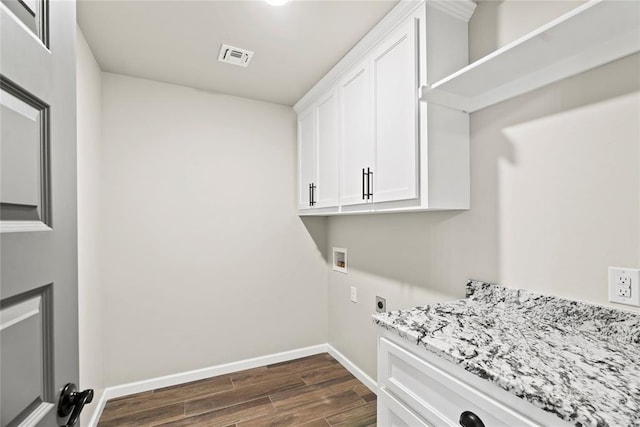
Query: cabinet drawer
[392, 413]
[431, 392]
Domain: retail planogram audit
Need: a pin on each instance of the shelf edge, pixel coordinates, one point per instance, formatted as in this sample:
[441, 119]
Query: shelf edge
[520, 41]
[601, 54]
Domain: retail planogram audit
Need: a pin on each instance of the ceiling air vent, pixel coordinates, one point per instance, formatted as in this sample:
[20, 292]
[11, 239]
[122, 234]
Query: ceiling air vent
[234, 55]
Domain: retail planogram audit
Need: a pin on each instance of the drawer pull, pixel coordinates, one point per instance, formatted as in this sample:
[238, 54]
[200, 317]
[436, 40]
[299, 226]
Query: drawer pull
[469, 419]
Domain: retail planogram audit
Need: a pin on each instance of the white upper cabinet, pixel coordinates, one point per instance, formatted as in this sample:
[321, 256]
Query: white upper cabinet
[356, 134]
[318, 145]
[378, 148]
[306, 157]
[327, 137]
[394, 74]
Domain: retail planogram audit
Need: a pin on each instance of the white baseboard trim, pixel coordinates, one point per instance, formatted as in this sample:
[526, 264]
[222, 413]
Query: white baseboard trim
[351, 367]
[212, 371]
[100, 401]
[227, 368]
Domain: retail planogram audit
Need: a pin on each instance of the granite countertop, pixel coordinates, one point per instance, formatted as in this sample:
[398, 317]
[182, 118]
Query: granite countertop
[577, 360]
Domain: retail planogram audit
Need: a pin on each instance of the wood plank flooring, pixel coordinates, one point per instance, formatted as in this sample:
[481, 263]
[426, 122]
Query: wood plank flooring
[313, 391]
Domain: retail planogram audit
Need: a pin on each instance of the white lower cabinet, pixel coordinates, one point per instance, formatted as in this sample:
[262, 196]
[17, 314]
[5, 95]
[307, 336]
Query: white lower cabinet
[393, 413]
[418, 388]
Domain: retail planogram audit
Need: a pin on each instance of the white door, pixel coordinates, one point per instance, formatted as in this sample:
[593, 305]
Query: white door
[356, 136]
[327, 137]
[306, 158]
[38, 282]
[394, 73]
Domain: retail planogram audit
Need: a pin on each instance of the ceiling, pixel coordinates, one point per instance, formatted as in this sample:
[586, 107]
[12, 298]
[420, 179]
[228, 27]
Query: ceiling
[178, 41]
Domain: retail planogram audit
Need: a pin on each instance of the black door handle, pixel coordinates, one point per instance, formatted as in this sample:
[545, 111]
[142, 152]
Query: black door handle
[310, 196]
[363, 178]
[72, 402]
[469, 419]
[313, 194]
[369, 184]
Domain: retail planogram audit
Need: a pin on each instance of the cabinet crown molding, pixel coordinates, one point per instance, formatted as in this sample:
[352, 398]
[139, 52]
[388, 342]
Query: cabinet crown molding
[461, 9]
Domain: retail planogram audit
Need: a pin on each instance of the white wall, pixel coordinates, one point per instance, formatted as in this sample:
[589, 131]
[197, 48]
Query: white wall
[89, 100]
[205, 259]
[555, 188]
[496, 23]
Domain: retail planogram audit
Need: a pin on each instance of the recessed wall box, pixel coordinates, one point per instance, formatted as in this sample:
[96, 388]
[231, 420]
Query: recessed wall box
[339, 260]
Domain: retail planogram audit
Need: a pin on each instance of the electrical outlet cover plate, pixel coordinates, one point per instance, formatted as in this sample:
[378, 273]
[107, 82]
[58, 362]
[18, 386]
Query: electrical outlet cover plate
[619, 279]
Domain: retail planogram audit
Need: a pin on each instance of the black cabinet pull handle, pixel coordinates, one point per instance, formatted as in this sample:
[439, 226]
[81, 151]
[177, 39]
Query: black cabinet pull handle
[368, 183]
[313, 194]
[363, 178]
[469, 419]
[310, 196]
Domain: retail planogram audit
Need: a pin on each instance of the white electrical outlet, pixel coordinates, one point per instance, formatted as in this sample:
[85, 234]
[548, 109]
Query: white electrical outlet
[624, 286]
[624, 291]
[354, 294]
[623, 280]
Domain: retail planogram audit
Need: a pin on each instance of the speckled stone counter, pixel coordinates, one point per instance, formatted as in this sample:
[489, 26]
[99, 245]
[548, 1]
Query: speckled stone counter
[579, 361]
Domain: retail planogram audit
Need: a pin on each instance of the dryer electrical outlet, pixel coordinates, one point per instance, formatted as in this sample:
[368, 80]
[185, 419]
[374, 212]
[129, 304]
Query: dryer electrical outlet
[624, 286]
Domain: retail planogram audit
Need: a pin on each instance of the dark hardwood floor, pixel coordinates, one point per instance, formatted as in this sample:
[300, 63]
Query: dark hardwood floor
[312, 391]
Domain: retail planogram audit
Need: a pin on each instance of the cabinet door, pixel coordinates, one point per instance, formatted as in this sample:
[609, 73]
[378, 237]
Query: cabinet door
[306, 156]
[356, 133]
[393, 413]
[394, 68]
[327, 134]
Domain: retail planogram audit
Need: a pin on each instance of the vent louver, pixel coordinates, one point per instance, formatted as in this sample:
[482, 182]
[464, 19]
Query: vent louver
[234, 55]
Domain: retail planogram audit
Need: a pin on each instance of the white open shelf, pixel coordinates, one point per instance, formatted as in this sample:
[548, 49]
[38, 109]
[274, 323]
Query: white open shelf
[590, 35]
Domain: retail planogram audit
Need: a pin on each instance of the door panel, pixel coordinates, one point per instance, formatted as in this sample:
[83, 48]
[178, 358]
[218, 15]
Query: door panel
[24, 154]
[25, 58]
[32, 14]
[356, 135]
[25, 333]
[307, 156]
[395, 89]
[38, 274]
[327, 149]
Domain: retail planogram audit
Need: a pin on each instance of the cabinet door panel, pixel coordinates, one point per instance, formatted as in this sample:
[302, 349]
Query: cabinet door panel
[327, 142]
[306, 156]
[394, 66]
[356, 135]
[393, 413]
